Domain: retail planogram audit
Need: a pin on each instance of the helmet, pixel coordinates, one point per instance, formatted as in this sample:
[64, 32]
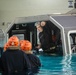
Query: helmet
[26, 45]
[21, 42]
[13, 41]
[6, 46]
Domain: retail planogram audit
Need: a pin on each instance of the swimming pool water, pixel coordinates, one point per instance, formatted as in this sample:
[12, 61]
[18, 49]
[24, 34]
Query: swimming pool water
[57, 65]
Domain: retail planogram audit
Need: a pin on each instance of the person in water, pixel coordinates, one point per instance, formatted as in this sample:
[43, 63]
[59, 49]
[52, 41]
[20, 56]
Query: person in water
[26, 46]
[13, 59]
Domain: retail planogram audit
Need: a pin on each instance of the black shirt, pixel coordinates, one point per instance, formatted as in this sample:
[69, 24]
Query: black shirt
[34, 60]
[45, 40]
[52, 30]
[15, 60]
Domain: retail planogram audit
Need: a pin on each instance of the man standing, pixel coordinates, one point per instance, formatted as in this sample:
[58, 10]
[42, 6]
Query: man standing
[45, 41]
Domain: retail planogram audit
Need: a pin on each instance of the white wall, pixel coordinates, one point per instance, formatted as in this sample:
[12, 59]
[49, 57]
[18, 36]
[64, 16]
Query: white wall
[10, 9]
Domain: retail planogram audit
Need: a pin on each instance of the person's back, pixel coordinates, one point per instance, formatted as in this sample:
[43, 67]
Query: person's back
[13, 59]
[34, 60]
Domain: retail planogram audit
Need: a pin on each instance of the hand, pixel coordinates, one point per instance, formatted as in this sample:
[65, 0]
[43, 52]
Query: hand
[52, 47]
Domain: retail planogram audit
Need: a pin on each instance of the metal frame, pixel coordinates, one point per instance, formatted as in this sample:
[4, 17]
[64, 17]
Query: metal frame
[69, 42]
[64, 31]
[62, 34]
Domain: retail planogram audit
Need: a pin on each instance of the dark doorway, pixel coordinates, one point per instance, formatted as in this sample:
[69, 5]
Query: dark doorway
[28, 31]
[25, 31]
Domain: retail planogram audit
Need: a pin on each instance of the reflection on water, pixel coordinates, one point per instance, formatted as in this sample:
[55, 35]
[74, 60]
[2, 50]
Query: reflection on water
[55, 65]
[67, 68]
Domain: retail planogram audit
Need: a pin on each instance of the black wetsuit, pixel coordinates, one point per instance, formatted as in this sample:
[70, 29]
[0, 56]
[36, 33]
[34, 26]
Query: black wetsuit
[45, 40]
[48, 43]
[51, 30]
[34, 60]
[15, 61]
[48, 29]
[35, 63]
[1, 67]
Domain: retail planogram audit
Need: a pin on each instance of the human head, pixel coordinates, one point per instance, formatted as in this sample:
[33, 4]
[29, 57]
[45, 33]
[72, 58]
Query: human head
[38, 26]
[25, 45]
[43, 23]
[13, 41]
[21, 42]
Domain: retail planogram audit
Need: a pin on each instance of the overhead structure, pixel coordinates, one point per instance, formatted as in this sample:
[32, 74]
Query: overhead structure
[66, 24]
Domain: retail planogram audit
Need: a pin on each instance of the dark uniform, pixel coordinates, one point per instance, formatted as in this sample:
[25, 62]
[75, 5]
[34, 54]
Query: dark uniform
[15, 61]
[1, 67]
[54, 39]
[48, 29]
[35, 63]
[52, 30]
[34, 60]
[45, 41]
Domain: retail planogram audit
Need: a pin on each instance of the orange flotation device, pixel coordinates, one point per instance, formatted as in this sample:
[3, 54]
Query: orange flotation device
[25, 45]
[13, 41]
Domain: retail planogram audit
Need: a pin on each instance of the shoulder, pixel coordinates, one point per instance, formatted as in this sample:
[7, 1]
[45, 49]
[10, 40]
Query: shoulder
[23, 53]
[33, 56]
